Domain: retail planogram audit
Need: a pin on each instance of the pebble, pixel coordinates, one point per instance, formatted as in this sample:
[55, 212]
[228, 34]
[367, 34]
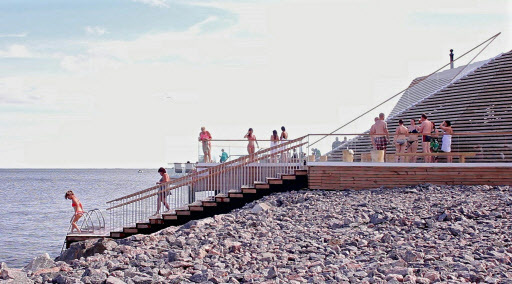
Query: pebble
[422, 234]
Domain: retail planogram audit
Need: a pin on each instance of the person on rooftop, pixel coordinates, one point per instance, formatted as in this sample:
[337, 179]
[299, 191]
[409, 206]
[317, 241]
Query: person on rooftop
[380, 133]
[205, 137]
[79, 210]
[400, 140]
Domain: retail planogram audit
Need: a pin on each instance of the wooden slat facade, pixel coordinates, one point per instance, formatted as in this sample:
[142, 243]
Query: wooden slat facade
[479, 102]
[339, 176]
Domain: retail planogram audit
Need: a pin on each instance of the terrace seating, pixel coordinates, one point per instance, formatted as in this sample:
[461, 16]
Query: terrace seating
[479, 102]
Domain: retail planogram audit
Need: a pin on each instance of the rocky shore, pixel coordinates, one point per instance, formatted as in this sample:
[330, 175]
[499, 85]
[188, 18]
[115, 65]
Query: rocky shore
[422, 234]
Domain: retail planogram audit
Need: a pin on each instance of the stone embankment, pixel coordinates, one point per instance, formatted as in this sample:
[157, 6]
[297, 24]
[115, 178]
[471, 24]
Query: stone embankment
[423, 234]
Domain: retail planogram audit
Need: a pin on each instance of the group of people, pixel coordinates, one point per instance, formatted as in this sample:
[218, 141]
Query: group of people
[406, 138]
[205, 138]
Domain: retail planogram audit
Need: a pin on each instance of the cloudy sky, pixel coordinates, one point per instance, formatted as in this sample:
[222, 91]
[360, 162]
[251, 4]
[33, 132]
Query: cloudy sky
[129, 83]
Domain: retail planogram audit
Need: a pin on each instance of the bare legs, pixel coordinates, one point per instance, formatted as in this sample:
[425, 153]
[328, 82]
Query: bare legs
[399, 149]
[161, 199]
[426, 149]
[207, 157]
[74, 226]
[412, 148]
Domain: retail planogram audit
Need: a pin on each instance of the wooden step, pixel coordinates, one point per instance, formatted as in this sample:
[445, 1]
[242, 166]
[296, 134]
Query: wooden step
[222, 198]
[143, 225]
[274, 181]
[130, 230]
[249, 190]
[209, 203]
[117, 235]
[235, 193]
[156, 219]
[170, 216]
[288, 177]
[183, 211]
[261, 185]
[196, 206]
[301, 172]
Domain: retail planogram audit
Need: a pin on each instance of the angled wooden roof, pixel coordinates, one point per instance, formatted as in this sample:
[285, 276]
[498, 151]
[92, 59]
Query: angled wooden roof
[478, 102]
[419, 91]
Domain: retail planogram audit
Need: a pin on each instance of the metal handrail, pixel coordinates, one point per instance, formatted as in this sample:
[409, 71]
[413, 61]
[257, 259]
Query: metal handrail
[210, 181]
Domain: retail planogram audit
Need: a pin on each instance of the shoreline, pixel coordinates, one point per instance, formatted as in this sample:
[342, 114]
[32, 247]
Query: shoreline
[421, 234]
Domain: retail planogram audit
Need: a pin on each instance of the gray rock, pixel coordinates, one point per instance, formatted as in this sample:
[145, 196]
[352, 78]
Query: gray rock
[199, 277]
[272, 273]
[40, 262]
[260, 207]
[114, 280]
[86, 249]
[456, 230]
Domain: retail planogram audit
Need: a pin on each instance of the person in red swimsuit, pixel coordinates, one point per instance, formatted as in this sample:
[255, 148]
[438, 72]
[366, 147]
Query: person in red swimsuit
[79, 210]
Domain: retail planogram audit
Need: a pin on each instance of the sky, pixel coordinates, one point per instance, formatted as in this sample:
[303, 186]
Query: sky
[129, 83]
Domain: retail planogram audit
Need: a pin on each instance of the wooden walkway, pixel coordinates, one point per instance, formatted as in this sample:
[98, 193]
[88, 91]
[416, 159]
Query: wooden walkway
[323, 176]
[339, 175]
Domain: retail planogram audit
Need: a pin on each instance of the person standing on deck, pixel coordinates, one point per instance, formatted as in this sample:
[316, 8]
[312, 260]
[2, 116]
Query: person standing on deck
[284, 139]
[337, 143]
[446, 142]
[79, 210]
[274, 141]
[224, 156]
[161, 191]
[372, 130]
[205, 137]
[400, 141]
[381, 134]
[252, 139]
[426, 129]
[412, 140]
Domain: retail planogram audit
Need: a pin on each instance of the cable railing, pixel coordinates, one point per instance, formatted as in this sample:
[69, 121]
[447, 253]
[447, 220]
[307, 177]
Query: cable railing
[206, 182]
[468, 147]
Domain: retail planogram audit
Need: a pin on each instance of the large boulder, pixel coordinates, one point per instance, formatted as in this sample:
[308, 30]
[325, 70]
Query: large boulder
[12, 275]
[86, 248]
[40, 262]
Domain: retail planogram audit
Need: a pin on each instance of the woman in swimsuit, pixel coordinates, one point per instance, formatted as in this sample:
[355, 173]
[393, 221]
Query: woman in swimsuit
[400, 141]
[161, 192]
[251, 138]
[79, 210]
[284, 139]
[446, 144]
[274, 141]
[412, 140]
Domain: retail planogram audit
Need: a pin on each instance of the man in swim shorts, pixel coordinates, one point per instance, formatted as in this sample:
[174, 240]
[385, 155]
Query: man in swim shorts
[380, 134]
[426, 130]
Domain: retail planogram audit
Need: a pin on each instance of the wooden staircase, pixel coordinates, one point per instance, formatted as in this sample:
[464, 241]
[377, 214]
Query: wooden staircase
[219, 204]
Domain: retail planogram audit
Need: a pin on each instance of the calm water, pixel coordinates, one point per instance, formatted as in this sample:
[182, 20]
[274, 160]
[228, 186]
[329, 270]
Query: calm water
[34, 217]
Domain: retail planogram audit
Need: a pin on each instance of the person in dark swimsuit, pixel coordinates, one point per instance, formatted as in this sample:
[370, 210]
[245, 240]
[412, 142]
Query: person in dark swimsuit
[412, 141]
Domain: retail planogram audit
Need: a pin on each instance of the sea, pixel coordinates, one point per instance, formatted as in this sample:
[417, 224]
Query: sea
[34, 216]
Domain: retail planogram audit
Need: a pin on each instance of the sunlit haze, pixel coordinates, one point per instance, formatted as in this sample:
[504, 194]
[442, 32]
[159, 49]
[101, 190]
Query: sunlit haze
[123, 83]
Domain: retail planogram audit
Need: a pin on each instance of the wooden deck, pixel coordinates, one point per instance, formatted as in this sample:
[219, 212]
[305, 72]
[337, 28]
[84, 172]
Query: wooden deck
[325, 176]
[339, 175]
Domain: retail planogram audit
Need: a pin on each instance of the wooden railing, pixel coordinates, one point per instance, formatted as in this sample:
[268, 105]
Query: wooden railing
[245, 171]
